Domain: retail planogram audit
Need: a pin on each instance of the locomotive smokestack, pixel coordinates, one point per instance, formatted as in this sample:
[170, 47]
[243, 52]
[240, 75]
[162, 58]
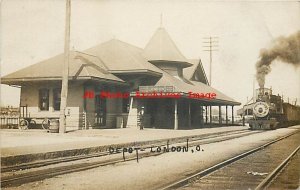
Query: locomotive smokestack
[285, 49]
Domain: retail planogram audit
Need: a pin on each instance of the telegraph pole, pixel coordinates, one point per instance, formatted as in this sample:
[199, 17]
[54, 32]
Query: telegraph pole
[65, 75]
[210, 43]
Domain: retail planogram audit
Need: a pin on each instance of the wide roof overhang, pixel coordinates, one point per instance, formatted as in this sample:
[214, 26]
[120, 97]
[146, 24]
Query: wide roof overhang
[183, 95]
[180, 64]
[28, 80]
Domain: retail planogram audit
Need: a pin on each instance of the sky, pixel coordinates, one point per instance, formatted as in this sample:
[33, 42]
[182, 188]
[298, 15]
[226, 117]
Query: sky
[33, 30]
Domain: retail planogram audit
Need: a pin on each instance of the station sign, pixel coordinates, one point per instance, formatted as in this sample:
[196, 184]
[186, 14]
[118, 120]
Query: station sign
[156, 88]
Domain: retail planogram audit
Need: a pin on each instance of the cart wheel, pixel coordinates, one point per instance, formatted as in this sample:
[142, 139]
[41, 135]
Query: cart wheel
[23, 124]
[45, 124]
[32, 123]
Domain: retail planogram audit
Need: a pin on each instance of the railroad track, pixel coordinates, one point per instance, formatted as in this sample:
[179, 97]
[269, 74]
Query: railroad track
[30, 176]
[105, 153]
[267, 181]
[288, 177]
[231, 174]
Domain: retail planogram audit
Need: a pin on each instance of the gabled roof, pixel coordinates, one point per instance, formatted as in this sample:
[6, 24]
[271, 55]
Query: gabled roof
[195, 87]
[81, 66]
[121, 57]
[194, 71]
[162, 48]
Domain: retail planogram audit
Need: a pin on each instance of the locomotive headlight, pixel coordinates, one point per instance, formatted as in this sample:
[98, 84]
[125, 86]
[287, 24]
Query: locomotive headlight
[261, 109]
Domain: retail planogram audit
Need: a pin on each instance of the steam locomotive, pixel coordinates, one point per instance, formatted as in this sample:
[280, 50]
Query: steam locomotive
[268, 111]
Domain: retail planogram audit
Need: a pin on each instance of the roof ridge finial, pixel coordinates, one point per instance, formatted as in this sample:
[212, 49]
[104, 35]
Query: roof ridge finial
[161, 20]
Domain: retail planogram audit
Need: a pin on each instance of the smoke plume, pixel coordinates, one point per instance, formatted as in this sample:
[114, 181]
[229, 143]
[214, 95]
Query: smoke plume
[285, 49]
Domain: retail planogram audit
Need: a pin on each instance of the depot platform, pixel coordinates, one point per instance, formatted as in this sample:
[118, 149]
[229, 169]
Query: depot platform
[24, 146]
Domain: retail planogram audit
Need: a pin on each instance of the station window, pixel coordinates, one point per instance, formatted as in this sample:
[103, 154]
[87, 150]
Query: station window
[56, 99]
[44, 99]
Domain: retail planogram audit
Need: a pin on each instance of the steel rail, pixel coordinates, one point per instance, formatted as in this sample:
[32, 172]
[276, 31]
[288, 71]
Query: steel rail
[218, 166]
[274, 173]
[46, 173]
[105, 153]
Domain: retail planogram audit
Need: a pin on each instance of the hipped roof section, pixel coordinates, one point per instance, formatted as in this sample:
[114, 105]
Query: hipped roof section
[100, 63]
[121, 57]
[195, 87]
[107, 60]
[81, 67]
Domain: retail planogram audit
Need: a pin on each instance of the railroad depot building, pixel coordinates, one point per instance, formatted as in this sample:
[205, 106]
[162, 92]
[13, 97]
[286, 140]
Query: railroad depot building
[118, 67]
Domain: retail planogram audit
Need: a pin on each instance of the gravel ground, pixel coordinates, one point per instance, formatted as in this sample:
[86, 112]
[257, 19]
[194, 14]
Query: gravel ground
[289, 178]
[250, 171]
[155, 172]
[16, 142]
